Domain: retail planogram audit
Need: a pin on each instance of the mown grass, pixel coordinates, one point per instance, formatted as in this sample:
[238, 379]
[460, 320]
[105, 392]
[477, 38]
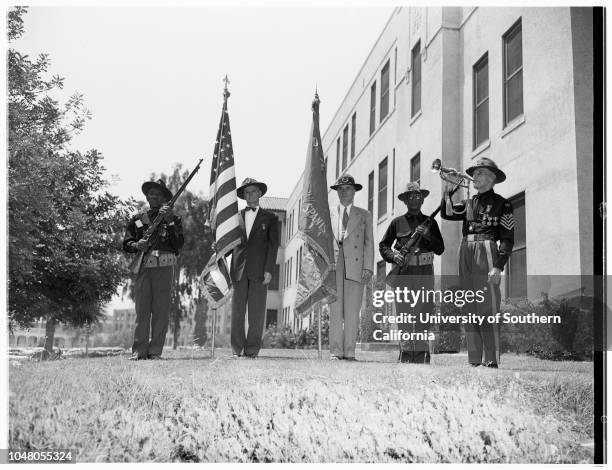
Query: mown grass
[289, 407]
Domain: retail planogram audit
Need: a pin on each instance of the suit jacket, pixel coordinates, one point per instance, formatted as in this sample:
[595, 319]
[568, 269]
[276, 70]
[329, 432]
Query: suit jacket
[358, 243]
[256, 255]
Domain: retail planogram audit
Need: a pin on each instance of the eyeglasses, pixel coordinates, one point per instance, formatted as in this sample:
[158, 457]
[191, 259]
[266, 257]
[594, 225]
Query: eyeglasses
[414, 196]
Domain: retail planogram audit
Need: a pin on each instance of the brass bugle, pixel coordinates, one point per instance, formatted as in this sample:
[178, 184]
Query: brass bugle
[437, 167]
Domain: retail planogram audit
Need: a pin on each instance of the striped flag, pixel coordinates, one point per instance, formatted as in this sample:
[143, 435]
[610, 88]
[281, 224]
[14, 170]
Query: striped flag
[223, 212]
[216, 282]
[223, 207]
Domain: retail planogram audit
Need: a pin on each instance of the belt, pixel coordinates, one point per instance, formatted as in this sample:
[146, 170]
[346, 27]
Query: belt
[158, 259]
[478, 237]
[420, 259]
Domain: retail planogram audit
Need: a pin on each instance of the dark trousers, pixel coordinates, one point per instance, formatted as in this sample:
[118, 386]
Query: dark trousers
[476, 259]
[415, 278]
[152, 297]
[252, 294]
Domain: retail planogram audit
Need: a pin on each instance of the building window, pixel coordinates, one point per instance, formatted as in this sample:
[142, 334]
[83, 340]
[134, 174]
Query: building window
[345, 135]
[353, 133]
[382, 188]
[395, 68]
[513, 73]
[481, 101]
[371, 192]
[338, 158]
[298, 262]
[416, 78]
[415, 168]
[393, 183]
[271, 315]
[384, 91]
[516, 269]
[372, 108]
[275, 277]
[325, 165]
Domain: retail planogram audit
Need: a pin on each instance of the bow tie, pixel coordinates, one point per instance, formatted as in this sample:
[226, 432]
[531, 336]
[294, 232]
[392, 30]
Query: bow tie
[249, 208]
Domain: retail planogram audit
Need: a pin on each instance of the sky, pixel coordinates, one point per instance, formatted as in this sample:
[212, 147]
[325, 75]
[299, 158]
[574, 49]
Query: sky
[152, 77]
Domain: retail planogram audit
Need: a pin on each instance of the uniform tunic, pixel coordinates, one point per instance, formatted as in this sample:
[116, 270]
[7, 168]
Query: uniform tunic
[488, 238]
[413, 277]
[153, 285]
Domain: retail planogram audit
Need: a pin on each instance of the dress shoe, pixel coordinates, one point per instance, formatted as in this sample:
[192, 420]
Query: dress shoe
[475, 364]
[154, 357]
[137, 357]
[334, 358]
[352, 359]
[492, 365]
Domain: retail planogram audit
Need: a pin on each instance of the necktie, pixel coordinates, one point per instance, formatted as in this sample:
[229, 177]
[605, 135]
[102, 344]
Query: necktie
[249, 208]
[344, 219]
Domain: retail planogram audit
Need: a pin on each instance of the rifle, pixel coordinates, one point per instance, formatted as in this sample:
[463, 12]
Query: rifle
[152, 230]
[404, 250]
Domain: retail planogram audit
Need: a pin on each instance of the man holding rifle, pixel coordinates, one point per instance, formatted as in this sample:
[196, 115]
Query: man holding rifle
[154, 276]
[417, 238]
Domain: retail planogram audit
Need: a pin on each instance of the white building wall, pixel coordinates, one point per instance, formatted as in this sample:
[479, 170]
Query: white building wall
[540, 151]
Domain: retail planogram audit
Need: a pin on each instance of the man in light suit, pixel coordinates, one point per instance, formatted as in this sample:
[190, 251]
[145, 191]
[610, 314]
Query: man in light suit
[354, 247]
[251, 270]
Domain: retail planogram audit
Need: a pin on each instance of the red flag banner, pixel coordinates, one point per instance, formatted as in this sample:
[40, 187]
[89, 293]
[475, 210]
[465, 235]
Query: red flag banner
[317, 282]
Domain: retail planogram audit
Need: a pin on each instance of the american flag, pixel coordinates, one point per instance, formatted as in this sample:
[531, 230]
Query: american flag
[223, 212]
[224, 216]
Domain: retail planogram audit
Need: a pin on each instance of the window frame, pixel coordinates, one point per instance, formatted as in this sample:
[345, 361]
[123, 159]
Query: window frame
[345, 144]
[516, 201]
[384, 91]
[373, 108]
[415, 53]
[516, 28]
[383, 190]
[353, 132]
[417, 157]
[476, 105]
[371, 192]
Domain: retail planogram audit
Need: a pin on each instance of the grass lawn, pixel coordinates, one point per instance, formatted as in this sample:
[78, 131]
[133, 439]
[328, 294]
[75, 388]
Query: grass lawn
[287, 406]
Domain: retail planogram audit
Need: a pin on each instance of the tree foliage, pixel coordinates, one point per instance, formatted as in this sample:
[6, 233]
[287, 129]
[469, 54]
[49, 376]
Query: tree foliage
[63, 224]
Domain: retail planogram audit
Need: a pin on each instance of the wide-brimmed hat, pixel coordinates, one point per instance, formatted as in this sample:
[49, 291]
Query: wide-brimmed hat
[489, 164]
[251, 182]
[346, 180]
[413, 187]
[149, 185]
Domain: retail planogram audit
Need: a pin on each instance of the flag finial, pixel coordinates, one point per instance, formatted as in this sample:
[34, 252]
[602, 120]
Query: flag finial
[226, 92]
[316, 101]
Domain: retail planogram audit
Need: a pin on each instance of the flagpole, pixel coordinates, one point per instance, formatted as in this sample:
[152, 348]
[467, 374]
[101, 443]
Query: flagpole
[320, 309]
[214, 327]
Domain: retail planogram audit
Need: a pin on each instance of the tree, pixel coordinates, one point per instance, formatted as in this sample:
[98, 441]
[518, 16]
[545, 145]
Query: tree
[64, 228]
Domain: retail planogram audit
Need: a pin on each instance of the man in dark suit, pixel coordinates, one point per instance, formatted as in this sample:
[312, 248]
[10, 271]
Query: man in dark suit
[251, 270]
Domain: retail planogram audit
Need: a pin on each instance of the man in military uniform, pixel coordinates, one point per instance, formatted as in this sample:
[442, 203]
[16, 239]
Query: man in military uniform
[416, 269]
[153, 284]
[487, 219]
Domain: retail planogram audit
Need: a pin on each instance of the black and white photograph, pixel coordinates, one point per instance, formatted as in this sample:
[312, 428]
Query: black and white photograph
[304, 233]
